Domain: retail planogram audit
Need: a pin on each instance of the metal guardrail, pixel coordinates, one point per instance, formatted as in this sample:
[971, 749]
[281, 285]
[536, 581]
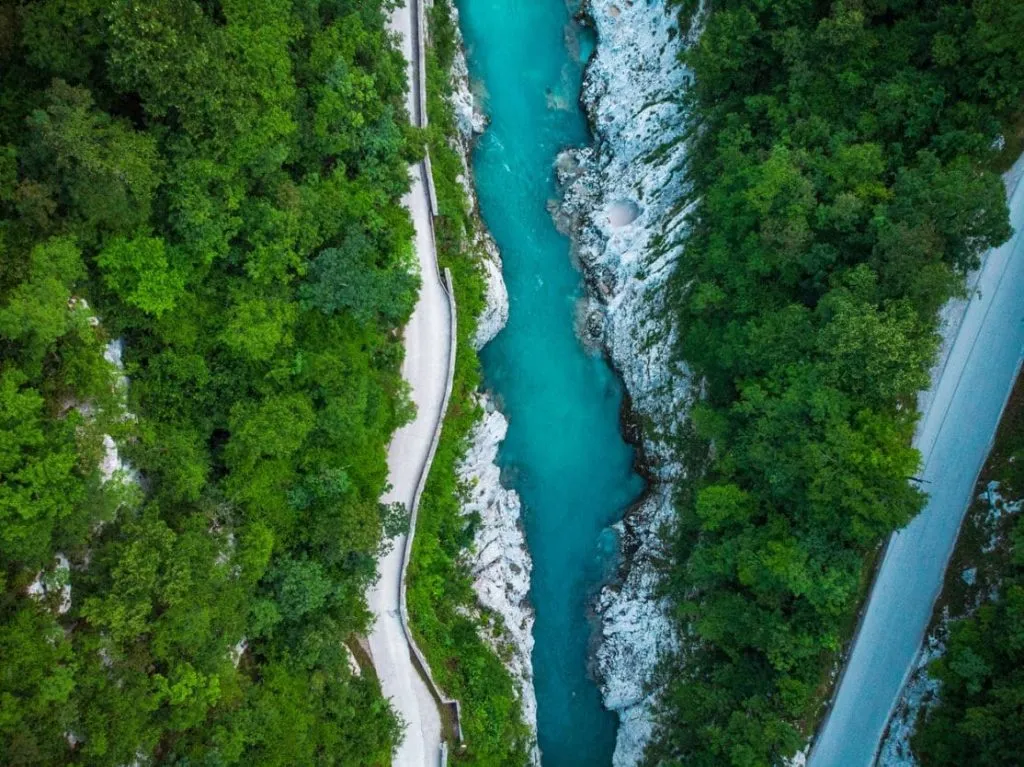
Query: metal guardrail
[421, 59]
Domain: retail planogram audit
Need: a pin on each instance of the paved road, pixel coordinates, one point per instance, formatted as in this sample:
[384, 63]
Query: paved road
[954, 438]
[425, 368]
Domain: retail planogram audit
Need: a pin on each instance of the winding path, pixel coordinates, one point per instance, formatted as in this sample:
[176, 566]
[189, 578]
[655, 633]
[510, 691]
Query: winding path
[427, 369]
[955, 435]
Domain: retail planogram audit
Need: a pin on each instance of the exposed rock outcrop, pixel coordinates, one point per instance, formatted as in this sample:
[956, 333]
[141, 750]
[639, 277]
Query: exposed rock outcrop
[113, 465]
[625, 204]
[495, 314]
[920, 690]
[501, 562]
[53, 585]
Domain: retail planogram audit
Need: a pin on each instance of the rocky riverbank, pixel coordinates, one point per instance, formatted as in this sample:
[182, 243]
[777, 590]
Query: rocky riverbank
[501, 562]
[625, 204]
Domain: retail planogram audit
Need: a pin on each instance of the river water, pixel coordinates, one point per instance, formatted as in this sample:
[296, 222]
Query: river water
[564, 453]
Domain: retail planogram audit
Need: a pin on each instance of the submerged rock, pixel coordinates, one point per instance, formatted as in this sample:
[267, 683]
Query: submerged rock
[626, 200]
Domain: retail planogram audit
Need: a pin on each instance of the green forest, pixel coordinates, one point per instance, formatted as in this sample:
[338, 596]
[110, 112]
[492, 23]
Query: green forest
[217, 184]
[977, 720]
[845, 159]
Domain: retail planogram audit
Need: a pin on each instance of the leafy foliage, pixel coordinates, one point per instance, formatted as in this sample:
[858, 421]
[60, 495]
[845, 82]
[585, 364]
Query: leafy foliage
[218, 184]
[345, 279]
[840, 159]
[977, 720]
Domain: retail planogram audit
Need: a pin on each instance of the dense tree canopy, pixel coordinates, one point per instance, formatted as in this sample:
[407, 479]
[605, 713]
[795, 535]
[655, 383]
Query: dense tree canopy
[217, 184]
[842, 157]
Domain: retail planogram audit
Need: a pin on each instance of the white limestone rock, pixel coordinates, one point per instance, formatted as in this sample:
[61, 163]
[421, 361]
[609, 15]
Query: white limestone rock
[111, 462]
[635, 628]
[799, 759]
[501, 563]
[494, 317]
[238, 650]
[112, 465]
[54, 581]
[469, 116]
[920, 691]
[626, 200]
[625, 204]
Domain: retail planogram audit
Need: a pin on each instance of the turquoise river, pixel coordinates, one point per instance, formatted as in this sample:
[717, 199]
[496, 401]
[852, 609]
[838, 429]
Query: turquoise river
[564, 453]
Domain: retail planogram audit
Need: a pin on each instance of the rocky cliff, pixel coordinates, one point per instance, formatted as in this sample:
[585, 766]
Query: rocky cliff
[625, 205]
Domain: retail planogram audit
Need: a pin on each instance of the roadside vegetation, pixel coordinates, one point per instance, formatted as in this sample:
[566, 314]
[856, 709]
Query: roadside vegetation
[841, 156]
[976, 719]
[218, 184]
[444, 612]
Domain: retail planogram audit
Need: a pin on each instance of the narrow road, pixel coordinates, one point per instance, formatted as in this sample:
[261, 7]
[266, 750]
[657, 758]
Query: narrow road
[425, 368]
[954, 438]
